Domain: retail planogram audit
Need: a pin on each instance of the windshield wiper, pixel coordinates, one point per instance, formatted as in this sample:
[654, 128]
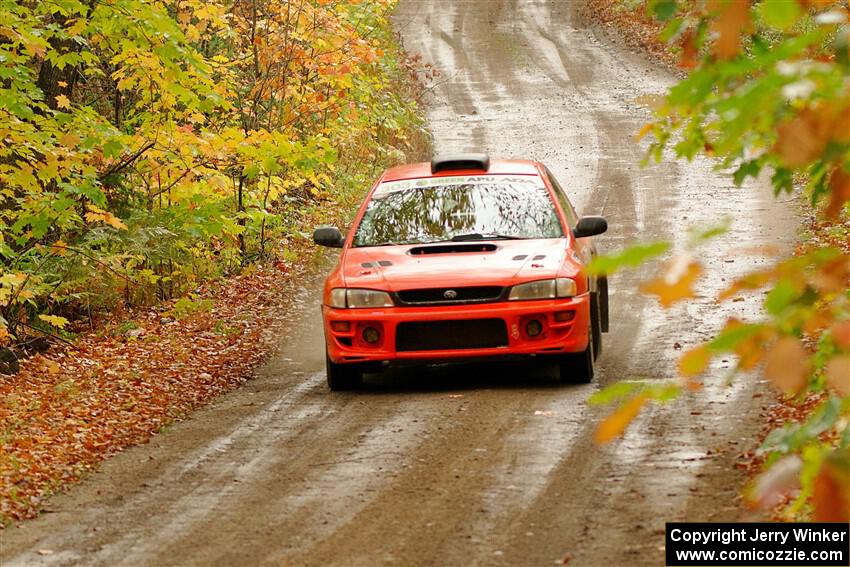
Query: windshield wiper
[486, 236]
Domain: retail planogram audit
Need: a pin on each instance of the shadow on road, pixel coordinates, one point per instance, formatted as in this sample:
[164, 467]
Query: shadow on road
[466, 376]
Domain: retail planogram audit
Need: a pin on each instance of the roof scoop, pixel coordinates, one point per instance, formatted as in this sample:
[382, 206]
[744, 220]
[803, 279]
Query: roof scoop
[454, 162]
[453, 248]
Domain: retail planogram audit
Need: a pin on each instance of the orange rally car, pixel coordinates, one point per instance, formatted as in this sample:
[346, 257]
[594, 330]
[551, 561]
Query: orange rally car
[464, 258]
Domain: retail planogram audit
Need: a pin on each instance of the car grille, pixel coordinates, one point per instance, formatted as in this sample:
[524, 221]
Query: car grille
[451, 335]
[479, 294]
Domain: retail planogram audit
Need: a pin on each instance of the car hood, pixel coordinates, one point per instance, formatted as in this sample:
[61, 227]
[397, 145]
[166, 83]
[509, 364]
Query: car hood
[395, 268]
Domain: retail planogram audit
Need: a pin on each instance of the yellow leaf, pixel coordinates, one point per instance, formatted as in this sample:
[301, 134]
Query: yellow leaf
[69, 140]
[676, 283]
[787, 365]
[54, 320]
[97, 214]
[59, 248]
[838, 375]
[694, 362]
[615, 424]
[645, 129]
[62, 101]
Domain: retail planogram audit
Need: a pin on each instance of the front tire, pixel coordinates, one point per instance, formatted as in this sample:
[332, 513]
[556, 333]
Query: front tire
[596, 324]
[342, 377]
[579, 367]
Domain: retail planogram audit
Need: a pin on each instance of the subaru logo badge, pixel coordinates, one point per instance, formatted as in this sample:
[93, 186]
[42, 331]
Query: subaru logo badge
[450, 294]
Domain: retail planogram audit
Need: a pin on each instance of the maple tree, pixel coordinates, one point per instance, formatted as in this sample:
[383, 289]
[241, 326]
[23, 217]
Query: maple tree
[148, 145]
[766, 90]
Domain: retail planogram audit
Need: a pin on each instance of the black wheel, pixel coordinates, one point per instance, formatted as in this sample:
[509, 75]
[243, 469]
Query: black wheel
[596, 324]
[578, 367]
[343, 376]
[602, 287]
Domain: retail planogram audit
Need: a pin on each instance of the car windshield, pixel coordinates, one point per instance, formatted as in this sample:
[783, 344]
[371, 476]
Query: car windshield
[421, 211]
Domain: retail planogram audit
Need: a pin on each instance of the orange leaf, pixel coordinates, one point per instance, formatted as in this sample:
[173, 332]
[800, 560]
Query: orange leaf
[688, 58]
[787, 365]
[676, 283]
[839, 184]
[615, 424]
[733, 20]
[831, 496]
[832, 277]
[838, 375]
[803, 138]
[644, 130]
[841, 333]
[749, 282]
[694, 361]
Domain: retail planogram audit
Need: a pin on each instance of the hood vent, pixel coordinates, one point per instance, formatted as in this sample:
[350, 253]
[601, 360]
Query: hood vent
[453, 248]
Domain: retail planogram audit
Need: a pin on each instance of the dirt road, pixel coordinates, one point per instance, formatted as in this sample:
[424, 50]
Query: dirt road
[472, 466]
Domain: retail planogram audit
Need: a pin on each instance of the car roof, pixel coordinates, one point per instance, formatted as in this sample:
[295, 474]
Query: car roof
[497, 167]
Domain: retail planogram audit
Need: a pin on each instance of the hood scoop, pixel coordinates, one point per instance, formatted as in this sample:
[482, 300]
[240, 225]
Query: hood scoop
[453, 248]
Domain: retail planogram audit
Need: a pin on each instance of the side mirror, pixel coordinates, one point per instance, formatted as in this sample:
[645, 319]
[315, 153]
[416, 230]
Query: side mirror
[329, 236]
[590, 226]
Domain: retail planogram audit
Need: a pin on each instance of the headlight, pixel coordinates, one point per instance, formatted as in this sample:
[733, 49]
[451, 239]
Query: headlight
[338, 298]
[359, 298]
[544, 289]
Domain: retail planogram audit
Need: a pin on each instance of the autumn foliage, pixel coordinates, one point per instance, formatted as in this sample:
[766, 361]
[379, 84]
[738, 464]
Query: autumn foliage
[150, 145]
[767, 90]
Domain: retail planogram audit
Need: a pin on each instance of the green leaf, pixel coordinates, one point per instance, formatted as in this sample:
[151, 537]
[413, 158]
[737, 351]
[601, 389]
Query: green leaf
[780, 297]
[614, 392]
[697, 235]
[780, 14]
[629, 258]
[664, 9]
[251, 171]
[732, 337]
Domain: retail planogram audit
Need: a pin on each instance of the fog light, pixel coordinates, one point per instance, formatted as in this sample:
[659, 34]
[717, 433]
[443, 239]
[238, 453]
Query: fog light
[341, 326]
[533, 328]
[371, 335]
[565, 316]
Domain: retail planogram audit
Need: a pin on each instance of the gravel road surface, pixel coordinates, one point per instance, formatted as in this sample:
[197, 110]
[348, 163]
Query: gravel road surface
[482, 465]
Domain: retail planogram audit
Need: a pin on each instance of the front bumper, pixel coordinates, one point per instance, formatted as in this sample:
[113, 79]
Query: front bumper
[561, 333]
